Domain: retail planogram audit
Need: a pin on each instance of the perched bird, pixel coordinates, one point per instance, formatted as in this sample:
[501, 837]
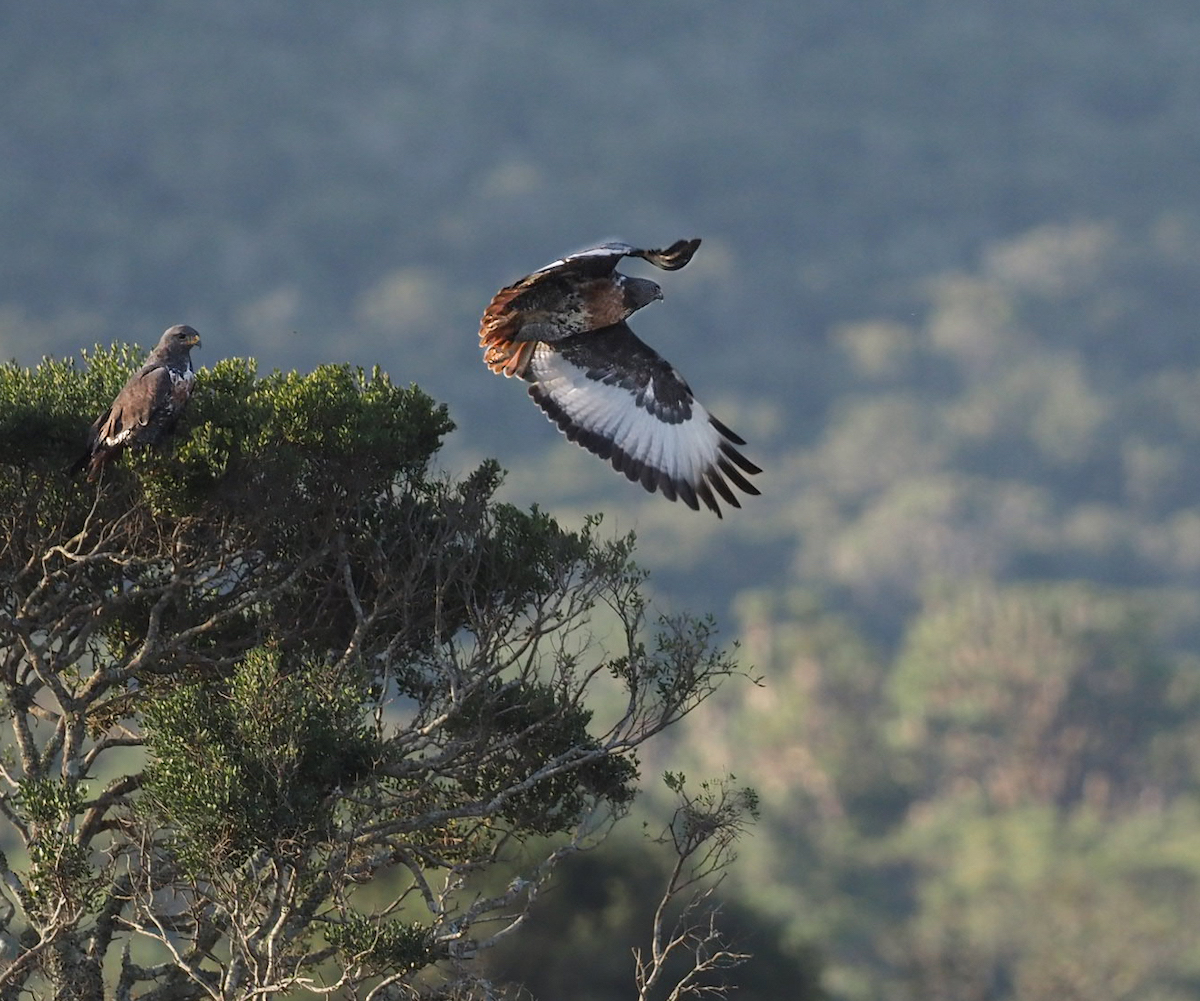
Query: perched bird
[148, 405]
[562, 329]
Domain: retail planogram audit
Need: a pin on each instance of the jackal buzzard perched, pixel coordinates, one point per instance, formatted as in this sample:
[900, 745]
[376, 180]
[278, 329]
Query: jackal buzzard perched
[562, 329]
[149, 404]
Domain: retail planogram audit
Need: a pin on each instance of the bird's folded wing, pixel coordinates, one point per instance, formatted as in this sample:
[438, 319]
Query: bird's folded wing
[138, 403]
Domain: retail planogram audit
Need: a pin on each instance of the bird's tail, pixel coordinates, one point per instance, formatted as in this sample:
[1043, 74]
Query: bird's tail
[93, 462]
[509, 358]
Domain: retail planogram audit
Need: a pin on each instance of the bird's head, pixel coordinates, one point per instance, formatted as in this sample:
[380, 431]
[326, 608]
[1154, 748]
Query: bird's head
[180, 337]
[640, 292]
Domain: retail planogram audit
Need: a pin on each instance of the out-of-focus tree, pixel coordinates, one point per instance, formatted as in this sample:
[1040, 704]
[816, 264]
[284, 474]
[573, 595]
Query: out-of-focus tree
[1035, 904]
[1007, 808]
[1054, 694]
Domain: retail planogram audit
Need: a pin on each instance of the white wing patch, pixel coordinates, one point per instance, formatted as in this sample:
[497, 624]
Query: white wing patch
[681, 460]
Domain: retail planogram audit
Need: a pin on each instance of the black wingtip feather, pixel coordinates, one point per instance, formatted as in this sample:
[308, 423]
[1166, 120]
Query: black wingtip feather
[740, 459]
[737, 478]
[705, 495]
[725, 432]
[721, 487]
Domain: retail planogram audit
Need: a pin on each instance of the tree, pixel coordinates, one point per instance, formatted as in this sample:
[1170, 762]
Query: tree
[280, 696]
[1051, 694]
[1043, 905]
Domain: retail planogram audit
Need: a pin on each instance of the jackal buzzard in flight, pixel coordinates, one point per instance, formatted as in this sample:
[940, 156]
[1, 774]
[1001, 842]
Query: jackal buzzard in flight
[149, 404]
[562, 329]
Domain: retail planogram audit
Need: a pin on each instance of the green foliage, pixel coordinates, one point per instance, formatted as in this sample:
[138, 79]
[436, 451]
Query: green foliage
[246, 446]
[59, 867]
[1004, 687]
[51, 801]
[1006, 807]
[45, 411]
[251, 762]
[335, 424]
[394, 947]
[333, 429]
[285, 458]
[517, 730]
[1056, 906]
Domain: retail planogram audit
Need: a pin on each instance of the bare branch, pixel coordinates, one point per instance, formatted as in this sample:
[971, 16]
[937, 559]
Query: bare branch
[703, 832]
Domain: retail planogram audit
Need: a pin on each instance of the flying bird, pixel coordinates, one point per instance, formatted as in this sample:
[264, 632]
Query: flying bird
[562, 329]
[148, 405]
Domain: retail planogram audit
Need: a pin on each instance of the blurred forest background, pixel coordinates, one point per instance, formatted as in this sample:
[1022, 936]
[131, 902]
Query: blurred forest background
[948, 291]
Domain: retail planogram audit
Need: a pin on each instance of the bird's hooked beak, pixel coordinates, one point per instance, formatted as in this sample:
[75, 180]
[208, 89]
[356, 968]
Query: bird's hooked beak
[193, 341]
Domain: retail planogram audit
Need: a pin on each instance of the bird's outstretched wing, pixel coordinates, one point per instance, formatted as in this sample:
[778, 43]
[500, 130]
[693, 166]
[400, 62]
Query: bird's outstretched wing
[611, 393]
